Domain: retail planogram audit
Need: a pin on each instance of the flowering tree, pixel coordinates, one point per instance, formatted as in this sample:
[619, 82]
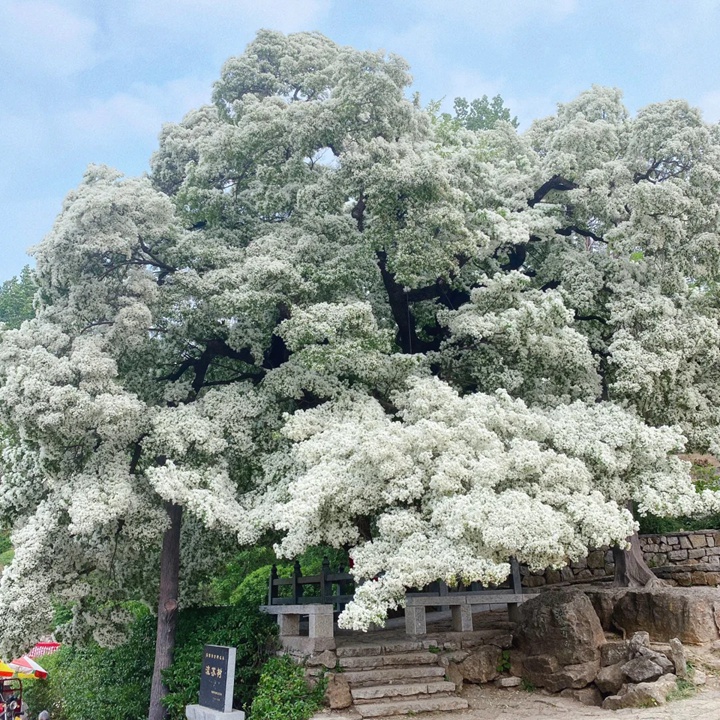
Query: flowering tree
[16, 297]
[332, 314]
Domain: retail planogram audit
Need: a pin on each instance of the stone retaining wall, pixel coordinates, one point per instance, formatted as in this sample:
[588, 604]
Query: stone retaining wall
[687, 548]
[673, 555]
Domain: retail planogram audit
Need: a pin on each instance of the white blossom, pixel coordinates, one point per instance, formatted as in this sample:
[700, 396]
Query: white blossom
[331, 315]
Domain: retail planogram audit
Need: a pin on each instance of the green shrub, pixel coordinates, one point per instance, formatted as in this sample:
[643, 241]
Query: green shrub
[705, 476]
[683, 689]
[98, 683]
[95, 683]
[223, 588]
[6, 549]
[5, 543]
[504, 662]
[244, 563]
[653, 525]
[242, 626]
[43, 694]
[284, 694]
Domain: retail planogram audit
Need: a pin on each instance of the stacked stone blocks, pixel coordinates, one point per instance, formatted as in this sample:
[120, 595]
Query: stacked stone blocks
[681, 558]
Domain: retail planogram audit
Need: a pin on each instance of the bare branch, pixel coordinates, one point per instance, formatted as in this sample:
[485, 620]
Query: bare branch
[556, 182]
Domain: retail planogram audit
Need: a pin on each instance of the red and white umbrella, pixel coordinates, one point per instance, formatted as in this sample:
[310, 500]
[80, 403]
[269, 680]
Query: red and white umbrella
[25, 665]
[43, 648]
[5, 670]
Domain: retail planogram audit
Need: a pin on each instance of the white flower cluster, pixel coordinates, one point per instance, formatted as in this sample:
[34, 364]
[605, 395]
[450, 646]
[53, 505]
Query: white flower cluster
[336, 316]
[520, 337]
[457, 484]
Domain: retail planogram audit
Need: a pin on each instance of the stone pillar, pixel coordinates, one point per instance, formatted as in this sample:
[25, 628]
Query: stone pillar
[415, 620]
[462, 618]
[320, 621]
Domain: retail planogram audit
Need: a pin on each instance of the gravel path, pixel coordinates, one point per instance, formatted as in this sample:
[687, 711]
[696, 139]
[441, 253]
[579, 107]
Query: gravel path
[490, 703]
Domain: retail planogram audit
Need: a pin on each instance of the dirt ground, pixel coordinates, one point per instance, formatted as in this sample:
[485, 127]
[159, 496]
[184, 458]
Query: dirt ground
[488, 702]
[491, 703]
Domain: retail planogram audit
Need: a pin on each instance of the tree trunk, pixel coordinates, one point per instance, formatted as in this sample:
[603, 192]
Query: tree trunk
[167, 609]
[631, 570]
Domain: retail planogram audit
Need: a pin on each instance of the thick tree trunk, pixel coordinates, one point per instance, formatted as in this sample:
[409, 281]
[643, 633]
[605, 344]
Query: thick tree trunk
[167, 609]
[631, 570]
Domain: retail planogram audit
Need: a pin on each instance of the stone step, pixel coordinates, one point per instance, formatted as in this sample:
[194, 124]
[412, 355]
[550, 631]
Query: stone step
[407, 707]
[377, 692]
[396, 659]
[363, 650]
[391, 675]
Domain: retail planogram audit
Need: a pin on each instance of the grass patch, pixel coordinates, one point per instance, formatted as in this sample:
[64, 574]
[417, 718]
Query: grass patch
[527, 686]
[684, 689]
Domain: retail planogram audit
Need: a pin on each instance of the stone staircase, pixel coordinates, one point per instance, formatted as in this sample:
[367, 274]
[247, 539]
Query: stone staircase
[400, 679]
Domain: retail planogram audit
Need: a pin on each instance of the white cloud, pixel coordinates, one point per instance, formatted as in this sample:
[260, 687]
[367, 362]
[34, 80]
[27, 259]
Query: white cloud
[138, 112]
[22, 144]
[416, 43]
[37, 36]
[195, 15]
[30, 220]
[498, 17]
[710, 105]
[119, 130]
[471, 84]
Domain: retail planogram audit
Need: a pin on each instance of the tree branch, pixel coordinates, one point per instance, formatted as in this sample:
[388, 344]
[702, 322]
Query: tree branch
[566, 232]
[407, 337]
[638, 177]
[358, 213]
[590, 318]
[556, 182]
[255, 377]
[96, 324]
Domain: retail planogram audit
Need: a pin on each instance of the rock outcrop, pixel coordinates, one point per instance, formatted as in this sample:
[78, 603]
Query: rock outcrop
[647, 694]
[562, 647]
[560, 636]
[562, 624]
[692, 616]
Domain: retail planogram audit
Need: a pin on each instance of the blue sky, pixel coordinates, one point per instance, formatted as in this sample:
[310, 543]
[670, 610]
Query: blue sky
[92, 81]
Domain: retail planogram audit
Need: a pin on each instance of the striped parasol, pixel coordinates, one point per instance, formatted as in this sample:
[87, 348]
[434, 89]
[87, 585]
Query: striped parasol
[26, 667]
[5, 670]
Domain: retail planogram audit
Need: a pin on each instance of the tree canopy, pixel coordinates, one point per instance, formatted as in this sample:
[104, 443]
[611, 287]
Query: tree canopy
[16, 298]
[330, 316]
[482, 113]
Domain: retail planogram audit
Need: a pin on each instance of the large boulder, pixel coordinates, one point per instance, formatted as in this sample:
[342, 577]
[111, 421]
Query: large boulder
[561, 624]
[480, 666]
[453, 674]
[677, 653]
[545, 671]
[604, 601]
[571, 676]
[586, 696]
[642, 669]
[647, 694]
[692, 614]
[614, 652]
[658, 658]
[610, 678]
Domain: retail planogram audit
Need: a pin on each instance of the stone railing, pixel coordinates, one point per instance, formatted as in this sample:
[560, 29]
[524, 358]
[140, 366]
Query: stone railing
[681, 558]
